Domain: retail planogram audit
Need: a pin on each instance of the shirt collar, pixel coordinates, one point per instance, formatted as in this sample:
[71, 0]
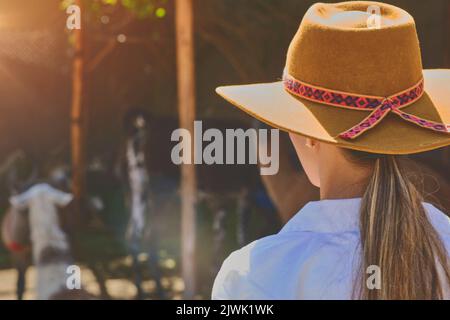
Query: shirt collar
[326, 216]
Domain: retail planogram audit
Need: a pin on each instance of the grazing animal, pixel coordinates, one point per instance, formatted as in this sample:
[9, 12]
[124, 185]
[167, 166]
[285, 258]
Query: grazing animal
[50, 247]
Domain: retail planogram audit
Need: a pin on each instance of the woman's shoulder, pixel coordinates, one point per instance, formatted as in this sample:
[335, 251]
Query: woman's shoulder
[234, 279]
[439, 220]
[263, 269]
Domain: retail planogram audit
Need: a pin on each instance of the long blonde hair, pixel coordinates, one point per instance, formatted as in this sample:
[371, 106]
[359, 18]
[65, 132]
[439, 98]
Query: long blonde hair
[397, 236]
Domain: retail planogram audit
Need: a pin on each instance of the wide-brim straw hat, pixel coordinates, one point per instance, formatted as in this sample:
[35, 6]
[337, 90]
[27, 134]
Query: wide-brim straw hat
[354, 78]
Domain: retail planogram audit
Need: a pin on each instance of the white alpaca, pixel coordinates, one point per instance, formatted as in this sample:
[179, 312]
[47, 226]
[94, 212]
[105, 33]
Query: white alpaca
[50, 248]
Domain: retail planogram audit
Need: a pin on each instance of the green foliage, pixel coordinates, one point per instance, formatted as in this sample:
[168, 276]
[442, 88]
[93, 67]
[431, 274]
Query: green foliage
[142, 8]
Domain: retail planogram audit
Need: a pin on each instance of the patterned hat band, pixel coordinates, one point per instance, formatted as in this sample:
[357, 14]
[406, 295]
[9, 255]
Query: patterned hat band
[380, 107]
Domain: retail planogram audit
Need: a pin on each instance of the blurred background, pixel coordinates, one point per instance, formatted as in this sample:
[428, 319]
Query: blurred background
[91, 112]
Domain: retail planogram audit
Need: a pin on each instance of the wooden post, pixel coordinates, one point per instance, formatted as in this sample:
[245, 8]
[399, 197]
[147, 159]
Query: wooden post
[77, 115]
[186, 108]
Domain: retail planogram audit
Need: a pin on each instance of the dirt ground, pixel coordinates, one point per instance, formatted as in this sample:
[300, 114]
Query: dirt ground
[117, 288]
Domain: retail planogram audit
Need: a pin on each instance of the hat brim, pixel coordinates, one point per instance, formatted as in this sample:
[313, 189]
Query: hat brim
[270, 103]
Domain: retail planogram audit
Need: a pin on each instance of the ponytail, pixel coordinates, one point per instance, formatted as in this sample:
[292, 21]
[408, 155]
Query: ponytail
[397, 236]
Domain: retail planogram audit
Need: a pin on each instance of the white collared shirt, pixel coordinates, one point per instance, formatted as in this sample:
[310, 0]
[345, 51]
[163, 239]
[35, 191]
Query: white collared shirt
[315, 256]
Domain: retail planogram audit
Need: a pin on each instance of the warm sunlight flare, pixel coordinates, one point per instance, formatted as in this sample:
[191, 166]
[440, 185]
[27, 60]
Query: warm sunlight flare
[232, 157]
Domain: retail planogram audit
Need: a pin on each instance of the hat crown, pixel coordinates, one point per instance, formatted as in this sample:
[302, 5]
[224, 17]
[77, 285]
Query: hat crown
[336, 48]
